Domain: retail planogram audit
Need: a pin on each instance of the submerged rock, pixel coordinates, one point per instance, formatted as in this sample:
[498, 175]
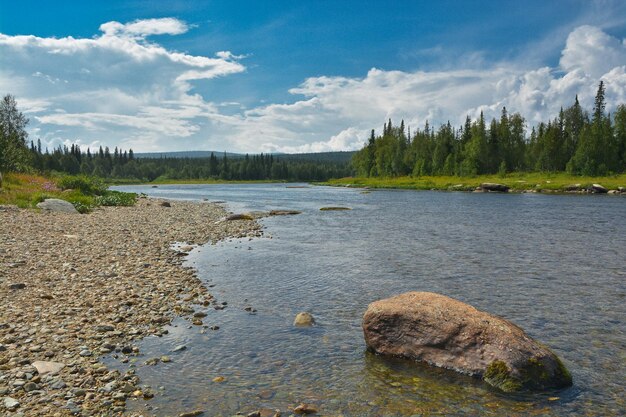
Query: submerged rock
[284, 212]
[447, 333]
[304, 319]
[333, 208]
[57, 205]
[305, 409]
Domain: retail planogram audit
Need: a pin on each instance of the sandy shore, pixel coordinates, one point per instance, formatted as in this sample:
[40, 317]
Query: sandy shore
[74, 287]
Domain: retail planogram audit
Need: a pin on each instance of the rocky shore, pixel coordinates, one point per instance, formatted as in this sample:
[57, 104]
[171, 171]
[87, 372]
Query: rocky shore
[74, 287]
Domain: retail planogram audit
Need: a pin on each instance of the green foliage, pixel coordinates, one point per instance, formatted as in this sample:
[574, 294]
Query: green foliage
[14, 155]
[86, 185]
[572, 142]
[499, 376]
[116, 198]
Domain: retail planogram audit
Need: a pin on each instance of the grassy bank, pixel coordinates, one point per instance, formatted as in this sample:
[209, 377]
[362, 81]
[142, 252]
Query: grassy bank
[85, 193]
[517, 182]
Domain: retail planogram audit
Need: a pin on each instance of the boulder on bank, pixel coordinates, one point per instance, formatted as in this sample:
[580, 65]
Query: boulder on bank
[447, 333]
[598, 189]
[494, 187]
[57, 205]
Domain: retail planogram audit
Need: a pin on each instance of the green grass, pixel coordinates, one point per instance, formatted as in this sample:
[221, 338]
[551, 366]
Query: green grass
[517, 182]
[85, 193]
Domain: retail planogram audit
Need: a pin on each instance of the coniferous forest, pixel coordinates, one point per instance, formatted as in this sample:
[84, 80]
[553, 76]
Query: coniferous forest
[576, 141]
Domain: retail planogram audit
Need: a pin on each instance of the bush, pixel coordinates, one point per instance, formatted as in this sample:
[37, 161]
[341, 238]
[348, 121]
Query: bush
[86, 185]
[116, 198]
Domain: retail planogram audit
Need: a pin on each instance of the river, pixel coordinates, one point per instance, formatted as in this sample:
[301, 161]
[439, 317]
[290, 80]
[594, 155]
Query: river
[553, 264]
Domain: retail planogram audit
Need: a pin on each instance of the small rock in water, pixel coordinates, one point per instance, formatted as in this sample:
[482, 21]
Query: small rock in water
[304, 319]
[305, 409]
[179, 348]
[219, 379]
[165, 359]
[191, 413]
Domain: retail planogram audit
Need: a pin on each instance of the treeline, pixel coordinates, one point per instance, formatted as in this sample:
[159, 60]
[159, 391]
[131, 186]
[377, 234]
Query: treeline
[122, 164]
[575, 141]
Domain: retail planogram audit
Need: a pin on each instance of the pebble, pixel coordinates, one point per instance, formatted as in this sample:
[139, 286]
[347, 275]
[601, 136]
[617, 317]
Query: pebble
[11, 404]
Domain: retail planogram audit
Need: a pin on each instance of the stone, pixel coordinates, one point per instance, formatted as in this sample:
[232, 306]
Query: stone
[448, 333]
[242, 216]
[48, 368]
[57, 206]
[191, 413]
[572, 187]
[333, 208]
[305, 409]
[179, 348]
[165, 204]
[85, 353]
[58, 384]
[104, 328]
[17, 286]
[11, 404]
[165, 359]
[31, 386]
[598, 189]
[219, 379]
[284, 212]
[494, 187]
[304, 319]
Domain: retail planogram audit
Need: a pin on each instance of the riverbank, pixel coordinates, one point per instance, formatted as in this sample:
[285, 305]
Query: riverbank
[522, 182]
[74, 287]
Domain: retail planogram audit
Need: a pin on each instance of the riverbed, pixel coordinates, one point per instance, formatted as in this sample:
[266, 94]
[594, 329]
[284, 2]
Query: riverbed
[554, 265]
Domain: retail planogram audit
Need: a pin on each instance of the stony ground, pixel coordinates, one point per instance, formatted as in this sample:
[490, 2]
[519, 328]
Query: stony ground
[73, 287]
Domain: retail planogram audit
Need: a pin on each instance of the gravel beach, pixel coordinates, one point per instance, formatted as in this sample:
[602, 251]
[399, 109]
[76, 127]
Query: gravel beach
[74, 287]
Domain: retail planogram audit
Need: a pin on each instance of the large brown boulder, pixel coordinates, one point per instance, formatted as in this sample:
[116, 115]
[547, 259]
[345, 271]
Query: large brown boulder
[447, 333]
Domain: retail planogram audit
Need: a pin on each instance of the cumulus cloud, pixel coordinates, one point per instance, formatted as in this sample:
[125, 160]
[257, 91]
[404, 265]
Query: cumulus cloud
[123, 89]
[145, 27]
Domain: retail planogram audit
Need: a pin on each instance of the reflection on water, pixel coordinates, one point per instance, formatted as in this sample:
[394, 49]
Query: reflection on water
[552, 264]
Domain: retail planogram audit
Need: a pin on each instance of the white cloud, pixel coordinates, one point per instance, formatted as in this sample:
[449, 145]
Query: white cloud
[593, 51]
[145, 27]
[122, 89]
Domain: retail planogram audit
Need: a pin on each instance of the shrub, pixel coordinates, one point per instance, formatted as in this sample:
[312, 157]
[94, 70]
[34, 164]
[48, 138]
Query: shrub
[116, 198]
[86, 185]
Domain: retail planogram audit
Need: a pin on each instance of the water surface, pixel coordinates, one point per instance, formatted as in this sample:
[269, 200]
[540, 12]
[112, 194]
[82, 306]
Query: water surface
[552, 264]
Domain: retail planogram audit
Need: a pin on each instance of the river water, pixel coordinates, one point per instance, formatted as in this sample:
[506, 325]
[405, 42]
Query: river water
[553, 264]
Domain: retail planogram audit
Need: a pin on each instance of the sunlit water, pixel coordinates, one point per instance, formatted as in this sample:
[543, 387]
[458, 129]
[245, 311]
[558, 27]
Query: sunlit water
[555, 265]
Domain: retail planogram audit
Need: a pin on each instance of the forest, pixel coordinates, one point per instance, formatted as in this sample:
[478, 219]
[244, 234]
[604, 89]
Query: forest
[576, 141]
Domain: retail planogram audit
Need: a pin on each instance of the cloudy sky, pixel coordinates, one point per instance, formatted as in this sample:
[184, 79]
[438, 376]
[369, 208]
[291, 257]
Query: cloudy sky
[289, 76]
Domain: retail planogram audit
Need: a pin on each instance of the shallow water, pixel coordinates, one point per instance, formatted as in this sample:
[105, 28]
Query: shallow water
[552, 264]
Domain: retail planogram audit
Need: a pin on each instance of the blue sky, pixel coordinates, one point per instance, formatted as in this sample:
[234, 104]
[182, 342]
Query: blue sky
[254, 76]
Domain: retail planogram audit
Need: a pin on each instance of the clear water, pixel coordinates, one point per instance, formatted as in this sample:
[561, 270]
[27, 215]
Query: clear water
[552, 264]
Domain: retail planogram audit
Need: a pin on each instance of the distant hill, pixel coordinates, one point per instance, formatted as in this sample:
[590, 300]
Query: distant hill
[336, 157]
[184, 154]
